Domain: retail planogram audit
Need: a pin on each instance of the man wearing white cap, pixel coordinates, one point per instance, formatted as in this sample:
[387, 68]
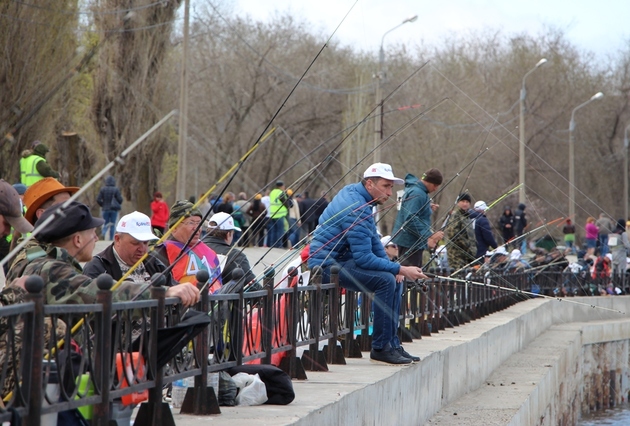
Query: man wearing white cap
[131, 242]
[483, 230]
[347, 237]
[219, 238]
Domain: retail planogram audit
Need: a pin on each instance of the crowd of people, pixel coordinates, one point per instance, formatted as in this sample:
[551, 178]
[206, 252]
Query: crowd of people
[343, 233]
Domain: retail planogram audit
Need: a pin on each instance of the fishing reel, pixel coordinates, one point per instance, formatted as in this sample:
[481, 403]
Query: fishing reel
[421, 285]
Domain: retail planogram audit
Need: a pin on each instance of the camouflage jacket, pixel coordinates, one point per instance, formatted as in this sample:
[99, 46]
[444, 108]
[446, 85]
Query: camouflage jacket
[65, 283]
[32, 250]
[462, 246]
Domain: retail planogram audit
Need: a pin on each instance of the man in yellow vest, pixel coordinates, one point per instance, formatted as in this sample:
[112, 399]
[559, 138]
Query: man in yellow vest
[278, 210]
[33, 165]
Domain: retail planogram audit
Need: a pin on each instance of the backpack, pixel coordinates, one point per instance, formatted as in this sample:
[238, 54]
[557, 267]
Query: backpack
[239, 219]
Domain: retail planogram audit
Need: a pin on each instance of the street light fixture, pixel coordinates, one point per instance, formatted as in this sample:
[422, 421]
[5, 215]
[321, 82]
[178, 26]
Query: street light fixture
[378, 123]
[378, 126]
[595, 97]
[521, 151]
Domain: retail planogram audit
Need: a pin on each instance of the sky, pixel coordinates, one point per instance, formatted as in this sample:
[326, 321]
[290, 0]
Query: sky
[599, 26]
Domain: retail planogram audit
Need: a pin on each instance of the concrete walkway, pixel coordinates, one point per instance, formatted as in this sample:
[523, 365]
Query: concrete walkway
[455, 363]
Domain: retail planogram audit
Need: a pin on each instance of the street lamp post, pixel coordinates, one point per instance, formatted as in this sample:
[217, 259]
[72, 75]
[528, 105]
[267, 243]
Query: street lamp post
[625, 173]
[378, 123]
[595, 97]
[182, 166]
[521, 127]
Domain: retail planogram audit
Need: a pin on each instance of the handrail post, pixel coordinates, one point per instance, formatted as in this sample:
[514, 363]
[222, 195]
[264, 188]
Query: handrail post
[201, 399]
[351, 346]
[313, 359]
[334, 354]
[155, 412]
[290, 364]
[269, 316]
[103, 349]
[32, 372]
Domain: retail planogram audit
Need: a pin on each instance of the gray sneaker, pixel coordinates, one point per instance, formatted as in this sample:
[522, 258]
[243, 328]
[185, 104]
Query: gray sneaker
[388, 355]
[407, 355]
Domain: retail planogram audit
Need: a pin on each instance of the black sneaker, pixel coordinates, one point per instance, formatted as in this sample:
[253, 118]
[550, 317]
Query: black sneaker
[407, 355]
[388, 355]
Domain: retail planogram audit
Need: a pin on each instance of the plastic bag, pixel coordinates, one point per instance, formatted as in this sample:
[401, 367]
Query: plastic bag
[252, 390]
[227, 390]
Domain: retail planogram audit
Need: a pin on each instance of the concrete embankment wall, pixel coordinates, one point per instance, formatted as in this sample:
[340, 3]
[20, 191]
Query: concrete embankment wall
[463, 360]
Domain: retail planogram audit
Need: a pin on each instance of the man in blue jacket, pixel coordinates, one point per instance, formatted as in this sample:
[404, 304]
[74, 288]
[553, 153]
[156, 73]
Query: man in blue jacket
[347, 237]
[483, 230]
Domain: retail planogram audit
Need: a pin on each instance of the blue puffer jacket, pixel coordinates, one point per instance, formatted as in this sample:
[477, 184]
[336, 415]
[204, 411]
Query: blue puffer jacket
[347, 231]
[414, 215]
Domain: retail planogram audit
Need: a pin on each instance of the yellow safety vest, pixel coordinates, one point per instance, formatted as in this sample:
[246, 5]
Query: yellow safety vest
[28, 170]
[276, 207]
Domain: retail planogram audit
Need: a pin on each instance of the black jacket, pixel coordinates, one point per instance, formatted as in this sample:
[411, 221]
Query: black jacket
[235, 259]
[105, 263]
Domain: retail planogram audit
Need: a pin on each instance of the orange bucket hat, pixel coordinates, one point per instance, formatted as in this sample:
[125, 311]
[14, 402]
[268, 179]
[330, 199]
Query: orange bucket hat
[42, 191]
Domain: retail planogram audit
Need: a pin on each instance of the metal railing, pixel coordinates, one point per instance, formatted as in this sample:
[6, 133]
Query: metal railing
[41, 360]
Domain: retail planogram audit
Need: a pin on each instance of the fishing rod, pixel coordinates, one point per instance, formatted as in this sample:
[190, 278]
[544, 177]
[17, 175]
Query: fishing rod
[391, 137]
[449, 242]
[439, 191]
[162, 275]
[495, 202]
[354, 127]
[120, 159]
[524, 292]
[452, 209]
[512, 241]
[186, 248]
[183, 217]
[264, 134]
[443, 187]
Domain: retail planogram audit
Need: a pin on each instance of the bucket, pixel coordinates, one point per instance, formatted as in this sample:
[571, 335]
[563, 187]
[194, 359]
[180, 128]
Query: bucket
[128, 376]
[86, 389]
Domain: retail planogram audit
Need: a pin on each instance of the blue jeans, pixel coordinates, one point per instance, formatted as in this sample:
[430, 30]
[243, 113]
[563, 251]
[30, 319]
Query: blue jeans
[294, 232]
[110, 223]
[387, 294]
[395, 342]
[276, 231]
[603, 244]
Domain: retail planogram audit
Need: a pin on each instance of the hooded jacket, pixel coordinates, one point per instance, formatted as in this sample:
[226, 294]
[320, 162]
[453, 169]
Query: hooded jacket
[483, 233]
[347, 232]
[414, 216]
[520, 221]
[109, 197]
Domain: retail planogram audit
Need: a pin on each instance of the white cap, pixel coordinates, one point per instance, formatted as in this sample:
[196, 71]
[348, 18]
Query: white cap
[501, 250]
[138, 225]
[515, 255]
[224, 222]
[609, 256]
[481, 205]
[382, 170]
[387, 240]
